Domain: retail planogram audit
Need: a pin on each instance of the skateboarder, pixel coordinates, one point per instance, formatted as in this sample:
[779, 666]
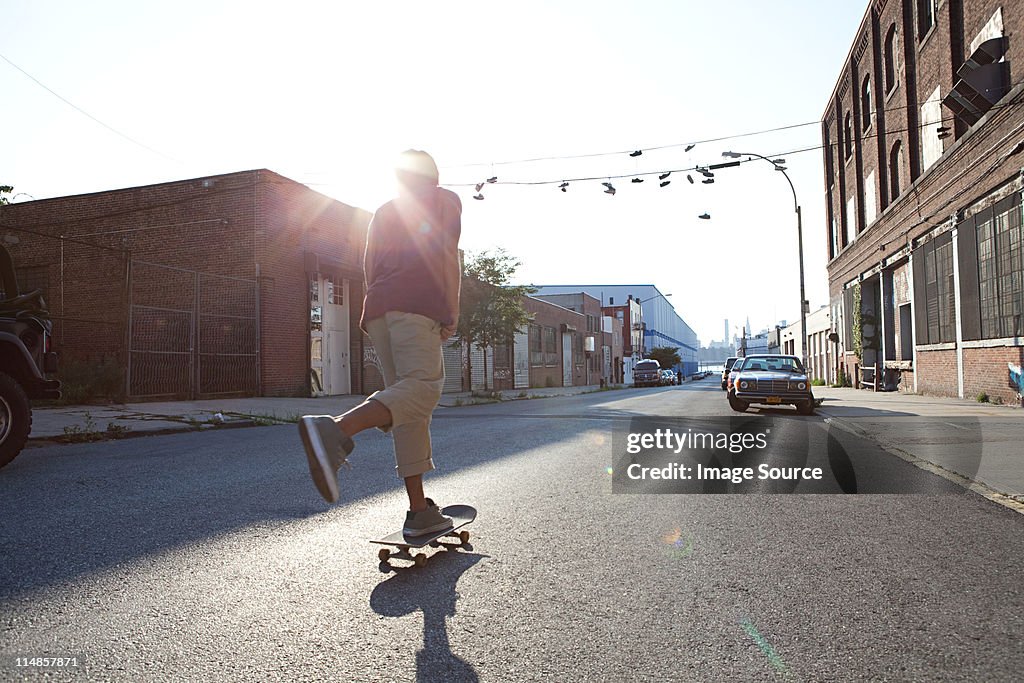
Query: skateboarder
[411, 307]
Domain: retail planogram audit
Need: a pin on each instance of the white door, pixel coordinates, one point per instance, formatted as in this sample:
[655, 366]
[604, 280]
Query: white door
[521, 360]
[337, 376]
[566, 359]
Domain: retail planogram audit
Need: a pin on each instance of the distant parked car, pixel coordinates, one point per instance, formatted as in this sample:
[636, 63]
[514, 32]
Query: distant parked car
[647, 373]
[668, 378]
[771, 379]
[729, 362]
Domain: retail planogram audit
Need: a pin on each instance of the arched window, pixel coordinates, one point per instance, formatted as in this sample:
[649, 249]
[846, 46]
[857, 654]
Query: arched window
[890, 59]
[848, 136]
[895, 164]
[865, 103]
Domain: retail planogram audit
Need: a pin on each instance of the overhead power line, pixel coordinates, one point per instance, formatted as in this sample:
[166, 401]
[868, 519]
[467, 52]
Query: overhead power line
[85, 113]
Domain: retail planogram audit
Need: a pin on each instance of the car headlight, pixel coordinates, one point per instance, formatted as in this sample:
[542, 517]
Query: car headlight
[799, 386]
[746, 384]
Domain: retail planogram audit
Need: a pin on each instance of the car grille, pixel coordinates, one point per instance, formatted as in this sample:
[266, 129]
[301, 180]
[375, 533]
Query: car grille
[774, 386]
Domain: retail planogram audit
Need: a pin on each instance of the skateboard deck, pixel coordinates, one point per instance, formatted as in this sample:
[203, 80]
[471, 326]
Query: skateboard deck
[461, 516]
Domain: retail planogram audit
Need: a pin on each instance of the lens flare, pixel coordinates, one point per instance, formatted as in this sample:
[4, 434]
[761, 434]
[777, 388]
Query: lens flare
[766, 648]
[680, 545]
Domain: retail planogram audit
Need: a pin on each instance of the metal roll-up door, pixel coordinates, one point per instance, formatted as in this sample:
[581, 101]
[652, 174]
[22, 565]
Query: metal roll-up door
[452, 352]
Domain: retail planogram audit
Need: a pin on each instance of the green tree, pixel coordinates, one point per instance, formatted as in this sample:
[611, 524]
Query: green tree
[667, 356]
[5, 189]
[491, 310]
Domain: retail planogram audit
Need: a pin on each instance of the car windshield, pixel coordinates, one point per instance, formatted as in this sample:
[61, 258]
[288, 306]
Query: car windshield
[773, 364]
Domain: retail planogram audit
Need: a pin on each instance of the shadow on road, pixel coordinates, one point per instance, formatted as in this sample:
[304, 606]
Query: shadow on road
[430, 589]
[77, 509]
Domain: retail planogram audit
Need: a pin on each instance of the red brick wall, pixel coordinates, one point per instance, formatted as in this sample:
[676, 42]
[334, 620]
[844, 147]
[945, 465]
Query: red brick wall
[962, 177]
[222, 225]
[550, 315]
[200, 224]
[985, 370]
[291, 221]
[936, 373]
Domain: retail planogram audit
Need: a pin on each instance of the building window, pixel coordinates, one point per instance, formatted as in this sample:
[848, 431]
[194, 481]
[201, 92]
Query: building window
[925, 17]
[848, 136]
[895, 164]
[938, 295]
[550, 347]
[1000, 274]
[870, 203]
[578, 344]
[536, 348]
[891, 48]
[835, 239]
[931, 120]
[865, 102]
[829, 170]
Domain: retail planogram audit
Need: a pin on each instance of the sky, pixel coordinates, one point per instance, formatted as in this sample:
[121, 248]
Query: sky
[111, 94]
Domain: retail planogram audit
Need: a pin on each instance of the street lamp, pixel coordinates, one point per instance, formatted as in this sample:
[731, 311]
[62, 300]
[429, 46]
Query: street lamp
[777, 163]
[640, 302]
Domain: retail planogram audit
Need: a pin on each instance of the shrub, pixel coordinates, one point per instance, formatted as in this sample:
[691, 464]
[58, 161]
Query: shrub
[83, 381]
[817, 382]
[982, 397]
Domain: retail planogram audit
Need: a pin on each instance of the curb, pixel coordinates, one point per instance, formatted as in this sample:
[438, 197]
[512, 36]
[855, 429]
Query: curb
[998, 497]
[34, 441]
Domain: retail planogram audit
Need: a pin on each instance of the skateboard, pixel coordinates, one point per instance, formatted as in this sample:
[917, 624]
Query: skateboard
[461, 516]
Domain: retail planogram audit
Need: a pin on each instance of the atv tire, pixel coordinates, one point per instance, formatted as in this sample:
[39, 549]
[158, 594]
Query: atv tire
[15, 418]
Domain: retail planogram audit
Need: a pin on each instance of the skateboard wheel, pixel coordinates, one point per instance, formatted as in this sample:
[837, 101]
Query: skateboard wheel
[464, 536]
[420, 560]
[384, 554]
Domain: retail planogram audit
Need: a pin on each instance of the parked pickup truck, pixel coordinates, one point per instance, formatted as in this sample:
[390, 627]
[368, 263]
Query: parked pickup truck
[647, 373]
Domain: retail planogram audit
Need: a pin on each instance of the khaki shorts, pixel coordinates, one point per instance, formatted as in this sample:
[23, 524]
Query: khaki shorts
[409, 349]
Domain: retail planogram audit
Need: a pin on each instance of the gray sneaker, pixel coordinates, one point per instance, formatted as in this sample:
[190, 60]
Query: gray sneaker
[327, 449]
[426, 521]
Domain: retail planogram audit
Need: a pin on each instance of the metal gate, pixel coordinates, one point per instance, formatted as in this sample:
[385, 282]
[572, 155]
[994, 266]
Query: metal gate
[191, 334]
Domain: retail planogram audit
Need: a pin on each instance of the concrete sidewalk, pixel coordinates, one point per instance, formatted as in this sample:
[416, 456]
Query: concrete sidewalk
[80, 423]
[977, 445]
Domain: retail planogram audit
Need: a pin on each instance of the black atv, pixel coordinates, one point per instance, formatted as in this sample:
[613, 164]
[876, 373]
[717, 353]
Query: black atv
[25, 359]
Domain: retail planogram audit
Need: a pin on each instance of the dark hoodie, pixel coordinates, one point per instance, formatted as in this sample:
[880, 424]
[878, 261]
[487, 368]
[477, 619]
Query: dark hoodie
[411, 262]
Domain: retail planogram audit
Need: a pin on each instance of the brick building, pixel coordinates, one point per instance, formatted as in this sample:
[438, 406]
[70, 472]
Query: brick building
[593, 345]
[627, 316]
[239, 284]
[923, 174]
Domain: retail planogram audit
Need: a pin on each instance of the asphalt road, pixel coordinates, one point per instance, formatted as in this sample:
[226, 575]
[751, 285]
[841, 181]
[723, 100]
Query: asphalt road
[210, 556]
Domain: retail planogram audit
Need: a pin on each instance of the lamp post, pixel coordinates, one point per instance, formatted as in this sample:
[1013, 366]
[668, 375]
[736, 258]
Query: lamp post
[641, 303]
[777, 163]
